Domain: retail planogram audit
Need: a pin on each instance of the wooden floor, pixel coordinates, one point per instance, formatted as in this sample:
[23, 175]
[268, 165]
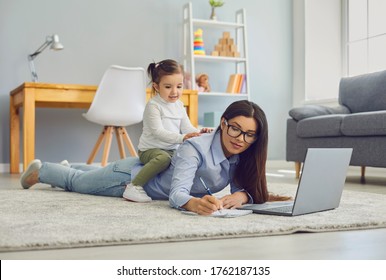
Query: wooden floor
[345, 245]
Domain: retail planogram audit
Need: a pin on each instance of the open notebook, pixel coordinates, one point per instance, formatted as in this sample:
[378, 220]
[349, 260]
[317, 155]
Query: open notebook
[224, 213]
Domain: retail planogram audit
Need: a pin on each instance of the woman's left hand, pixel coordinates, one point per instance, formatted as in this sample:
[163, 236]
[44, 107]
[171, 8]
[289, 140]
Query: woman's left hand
[234, 200]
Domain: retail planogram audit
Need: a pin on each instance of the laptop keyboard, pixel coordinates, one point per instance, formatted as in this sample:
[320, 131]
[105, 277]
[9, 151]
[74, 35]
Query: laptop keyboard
[282, 209]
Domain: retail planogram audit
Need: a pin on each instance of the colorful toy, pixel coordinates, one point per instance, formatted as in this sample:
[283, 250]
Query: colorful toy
[198, 43]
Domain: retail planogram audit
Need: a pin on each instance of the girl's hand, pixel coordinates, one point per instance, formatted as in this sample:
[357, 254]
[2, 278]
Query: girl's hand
[204, 206]
[206, 130]
[190, 135]
[234, 200]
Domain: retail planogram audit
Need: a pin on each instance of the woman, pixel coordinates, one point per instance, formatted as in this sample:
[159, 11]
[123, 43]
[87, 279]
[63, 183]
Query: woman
[234, 154]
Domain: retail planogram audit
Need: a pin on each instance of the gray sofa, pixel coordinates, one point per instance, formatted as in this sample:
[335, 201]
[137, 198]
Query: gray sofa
[359, 122]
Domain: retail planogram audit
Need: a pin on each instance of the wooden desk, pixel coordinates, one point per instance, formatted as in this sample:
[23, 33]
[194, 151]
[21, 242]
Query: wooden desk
[32, 95]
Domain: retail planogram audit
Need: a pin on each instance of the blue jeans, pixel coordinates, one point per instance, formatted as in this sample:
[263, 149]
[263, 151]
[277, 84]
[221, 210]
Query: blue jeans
[110, 180]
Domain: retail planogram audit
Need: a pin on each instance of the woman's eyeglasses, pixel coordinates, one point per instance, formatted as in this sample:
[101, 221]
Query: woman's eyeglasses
[234, 132]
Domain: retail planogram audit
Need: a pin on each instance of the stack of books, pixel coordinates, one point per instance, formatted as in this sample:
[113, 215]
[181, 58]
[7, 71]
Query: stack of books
[236, 83]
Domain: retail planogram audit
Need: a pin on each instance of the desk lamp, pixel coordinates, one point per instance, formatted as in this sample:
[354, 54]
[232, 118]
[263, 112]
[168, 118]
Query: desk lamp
[53, 42]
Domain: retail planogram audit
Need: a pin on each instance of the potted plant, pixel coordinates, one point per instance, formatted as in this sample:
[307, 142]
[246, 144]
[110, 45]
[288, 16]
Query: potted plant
[214, 4]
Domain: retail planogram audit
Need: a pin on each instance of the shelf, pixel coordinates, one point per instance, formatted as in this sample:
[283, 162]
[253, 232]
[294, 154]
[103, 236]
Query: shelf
[218, 58]
[218, 24]
[243, 95]
[193, 62]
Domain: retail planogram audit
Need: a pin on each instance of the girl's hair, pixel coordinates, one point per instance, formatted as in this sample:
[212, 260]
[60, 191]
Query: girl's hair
[250, 171]
[163, 68]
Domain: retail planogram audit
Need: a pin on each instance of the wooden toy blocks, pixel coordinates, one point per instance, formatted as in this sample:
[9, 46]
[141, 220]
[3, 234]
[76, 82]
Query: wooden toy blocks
[226, 46]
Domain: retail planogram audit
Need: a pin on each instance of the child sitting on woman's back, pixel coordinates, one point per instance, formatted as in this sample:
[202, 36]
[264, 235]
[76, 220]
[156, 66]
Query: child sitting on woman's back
[165, 126]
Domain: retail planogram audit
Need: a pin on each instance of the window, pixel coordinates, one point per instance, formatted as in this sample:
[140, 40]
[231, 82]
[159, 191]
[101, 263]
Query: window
[365, 48]
[333, 39]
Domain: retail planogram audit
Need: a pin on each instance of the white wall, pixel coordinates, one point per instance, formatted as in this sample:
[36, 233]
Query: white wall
[317, 50]
[96, 34]
[323, 49]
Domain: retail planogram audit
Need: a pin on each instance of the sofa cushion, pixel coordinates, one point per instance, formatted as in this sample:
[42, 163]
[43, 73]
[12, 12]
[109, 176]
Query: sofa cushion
[364, 124]
[364, 93]
[309, 111]
[321, 126]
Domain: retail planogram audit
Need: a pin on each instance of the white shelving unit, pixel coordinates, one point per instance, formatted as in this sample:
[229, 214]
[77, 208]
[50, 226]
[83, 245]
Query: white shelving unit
[191, 60]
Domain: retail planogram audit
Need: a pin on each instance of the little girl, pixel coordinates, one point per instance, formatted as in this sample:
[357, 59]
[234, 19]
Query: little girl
[165, 126]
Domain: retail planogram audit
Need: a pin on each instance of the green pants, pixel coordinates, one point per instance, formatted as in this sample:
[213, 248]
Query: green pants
[155, 161]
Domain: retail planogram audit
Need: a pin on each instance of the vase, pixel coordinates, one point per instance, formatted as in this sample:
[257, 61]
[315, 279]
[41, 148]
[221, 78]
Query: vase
[213, 14]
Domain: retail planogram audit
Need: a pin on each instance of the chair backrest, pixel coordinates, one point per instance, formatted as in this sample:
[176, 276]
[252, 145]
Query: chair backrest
[120, 98]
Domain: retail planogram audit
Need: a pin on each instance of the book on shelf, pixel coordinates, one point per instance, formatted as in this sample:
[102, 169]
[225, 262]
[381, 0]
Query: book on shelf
[231, 84]
[236, 83]
[243, 88]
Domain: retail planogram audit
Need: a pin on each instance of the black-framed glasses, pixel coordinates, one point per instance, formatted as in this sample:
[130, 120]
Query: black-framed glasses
[234, 132]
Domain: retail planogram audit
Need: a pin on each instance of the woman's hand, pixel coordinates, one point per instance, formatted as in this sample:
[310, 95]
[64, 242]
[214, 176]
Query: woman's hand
[234, 200]
[190, 135]
[204, 206]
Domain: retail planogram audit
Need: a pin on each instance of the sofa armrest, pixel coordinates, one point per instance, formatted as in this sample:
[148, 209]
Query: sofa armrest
[308, 111]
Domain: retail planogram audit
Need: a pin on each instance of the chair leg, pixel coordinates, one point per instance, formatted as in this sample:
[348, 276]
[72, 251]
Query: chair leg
[97, 146]
[363, 170]
[118, 133]
[298, 165]
[106, 150]
[107, 135]
[128, 142]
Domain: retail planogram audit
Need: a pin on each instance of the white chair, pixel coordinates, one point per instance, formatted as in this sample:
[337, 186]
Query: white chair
[119, 101]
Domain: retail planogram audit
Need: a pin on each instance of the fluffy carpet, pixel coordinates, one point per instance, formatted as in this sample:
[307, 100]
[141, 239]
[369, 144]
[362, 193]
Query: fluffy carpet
[43, 217]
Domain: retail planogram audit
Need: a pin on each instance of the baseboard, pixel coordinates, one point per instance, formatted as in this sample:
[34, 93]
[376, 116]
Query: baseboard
[4, 167]
[280, 164]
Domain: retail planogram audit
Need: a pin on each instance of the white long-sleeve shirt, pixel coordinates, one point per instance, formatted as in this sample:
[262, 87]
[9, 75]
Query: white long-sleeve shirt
[164, 125]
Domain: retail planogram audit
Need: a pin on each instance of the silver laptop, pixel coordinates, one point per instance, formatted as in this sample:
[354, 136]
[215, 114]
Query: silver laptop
[320, 186]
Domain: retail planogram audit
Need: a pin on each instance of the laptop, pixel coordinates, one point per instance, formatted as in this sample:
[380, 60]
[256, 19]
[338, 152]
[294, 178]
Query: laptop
[320, 186]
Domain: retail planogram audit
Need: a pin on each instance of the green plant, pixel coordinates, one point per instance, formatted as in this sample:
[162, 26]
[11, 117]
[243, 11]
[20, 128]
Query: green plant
[216, 4]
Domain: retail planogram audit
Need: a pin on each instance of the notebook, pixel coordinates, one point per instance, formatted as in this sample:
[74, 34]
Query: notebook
[320, 186]
[224, 213]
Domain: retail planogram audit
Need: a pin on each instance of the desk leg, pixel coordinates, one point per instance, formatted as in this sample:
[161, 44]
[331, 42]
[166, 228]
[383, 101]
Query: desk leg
[193, 109]
[28, 127]
[14, 137]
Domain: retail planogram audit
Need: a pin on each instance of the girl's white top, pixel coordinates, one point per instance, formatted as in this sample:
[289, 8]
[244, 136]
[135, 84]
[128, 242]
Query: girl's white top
[164, 125]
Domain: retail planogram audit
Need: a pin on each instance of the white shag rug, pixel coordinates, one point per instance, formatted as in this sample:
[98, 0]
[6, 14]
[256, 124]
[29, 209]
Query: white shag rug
[43, 218]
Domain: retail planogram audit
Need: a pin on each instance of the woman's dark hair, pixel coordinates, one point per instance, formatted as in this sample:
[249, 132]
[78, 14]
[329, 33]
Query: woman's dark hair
[250, 171]
[165, 67]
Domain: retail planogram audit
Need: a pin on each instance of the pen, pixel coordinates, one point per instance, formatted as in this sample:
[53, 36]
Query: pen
[207, 190]
[206, 187]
